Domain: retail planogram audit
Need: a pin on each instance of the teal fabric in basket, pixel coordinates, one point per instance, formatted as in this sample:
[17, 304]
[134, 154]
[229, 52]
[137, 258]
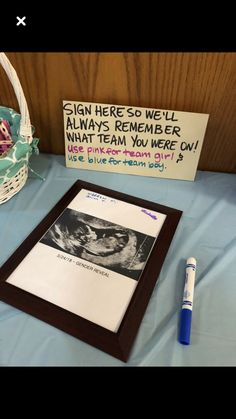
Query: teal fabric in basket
[19, 154]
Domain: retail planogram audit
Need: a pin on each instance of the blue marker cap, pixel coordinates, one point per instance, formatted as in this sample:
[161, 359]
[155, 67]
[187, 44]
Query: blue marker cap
[185, 326]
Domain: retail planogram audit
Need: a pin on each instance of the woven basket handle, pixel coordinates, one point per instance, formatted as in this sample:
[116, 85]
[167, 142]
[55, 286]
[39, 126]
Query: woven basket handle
[25, 125]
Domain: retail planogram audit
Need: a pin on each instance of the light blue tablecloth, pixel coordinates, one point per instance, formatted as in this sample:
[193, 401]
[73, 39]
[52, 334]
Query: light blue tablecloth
[207, 231]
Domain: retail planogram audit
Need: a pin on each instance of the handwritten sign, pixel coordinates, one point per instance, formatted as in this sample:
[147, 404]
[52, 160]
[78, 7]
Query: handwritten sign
[133, 140]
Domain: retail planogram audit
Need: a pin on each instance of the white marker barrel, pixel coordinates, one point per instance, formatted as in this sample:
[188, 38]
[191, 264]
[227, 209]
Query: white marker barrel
[189, 284]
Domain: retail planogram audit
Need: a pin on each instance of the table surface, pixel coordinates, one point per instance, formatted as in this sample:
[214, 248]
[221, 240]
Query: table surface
[207, 231]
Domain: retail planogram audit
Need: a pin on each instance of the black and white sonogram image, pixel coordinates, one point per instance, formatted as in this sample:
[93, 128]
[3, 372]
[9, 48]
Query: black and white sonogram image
[101, 242]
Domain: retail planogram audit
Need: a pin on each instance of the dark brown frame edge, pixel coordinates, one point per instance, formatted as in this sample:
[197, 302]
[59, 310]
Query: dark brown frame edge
[117, 344]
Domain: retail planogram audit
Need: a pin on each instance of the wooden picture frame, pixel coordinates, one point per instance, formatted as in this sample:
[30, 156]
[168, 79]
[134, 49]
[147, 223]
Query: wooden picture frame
[117, 343]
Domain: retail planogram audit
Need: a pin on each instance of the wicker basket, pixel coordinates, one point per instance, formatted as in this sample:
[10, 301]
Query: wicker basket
[14, 165]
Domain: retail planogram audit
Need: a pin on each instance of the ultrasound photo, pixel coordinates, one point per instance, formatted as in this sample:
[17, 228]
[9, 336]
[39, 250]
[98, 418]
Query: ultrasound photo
[101, 242]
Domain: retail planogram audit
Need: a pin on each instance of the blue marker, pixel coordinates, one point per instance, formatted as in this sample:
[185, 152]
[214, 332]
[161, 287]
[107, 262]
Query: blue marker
[187, 305]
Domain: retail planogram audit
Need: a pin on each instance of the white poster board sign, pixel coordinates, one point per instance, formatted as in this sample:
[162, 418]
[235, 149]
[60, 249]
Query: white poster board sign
[133, 140]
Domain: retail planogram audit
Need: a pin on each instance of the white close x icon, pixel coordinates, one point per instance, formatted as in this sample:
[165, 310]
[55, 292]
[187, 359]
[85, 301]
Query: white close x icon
[21, 20]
